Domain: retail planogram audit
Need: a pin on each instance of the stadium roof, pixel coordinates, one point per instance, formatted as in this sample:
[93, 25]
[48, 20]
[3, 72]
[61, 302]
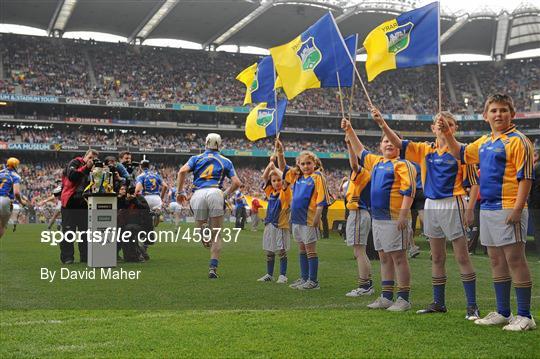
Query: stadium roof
[267, 23]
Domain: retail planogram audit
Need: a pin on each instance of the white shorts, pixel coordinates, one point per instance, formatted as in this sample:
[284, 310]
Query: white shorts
[15, 213]
[305, 234]
[207, 203]
[387, 237]
[175, 207]
[494, 232]
[5, 210]
[276, 239]
[358, 227]
[443, 218]
[154, 201]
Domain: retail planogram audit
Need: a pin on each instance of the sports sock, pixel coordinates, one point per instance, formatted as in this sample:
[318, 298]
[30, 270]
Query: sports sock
[313, 264]
[304, 266]
[502, 294]
[283, 265]
[403, 292]
[469, 284]
[214, 263]
[439, 284]
[270, 261]
[523, 298]
[388, 289]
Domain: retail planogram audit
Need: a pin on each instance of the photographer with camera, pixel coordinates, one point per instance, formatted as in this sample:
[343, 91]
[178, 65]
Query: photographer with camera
[75, 178]
[126, 168]
[133, 215]
[115, 169]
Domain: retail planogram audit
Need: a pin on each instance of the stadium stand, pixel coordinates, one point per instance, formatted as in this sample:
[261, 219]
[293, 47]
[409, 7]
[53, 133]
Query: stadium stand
[77, 68]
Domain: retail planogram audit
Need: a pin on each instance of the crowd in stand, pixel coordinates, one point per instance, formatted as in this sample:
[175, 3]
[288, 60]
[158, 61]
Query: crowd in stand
[182, 141]
[51, 66]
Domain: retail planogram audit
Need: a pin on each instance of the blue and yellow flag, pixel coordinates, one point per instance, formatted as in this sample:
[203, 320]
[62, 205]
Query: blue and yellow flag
[346, 71]
[261, 121]
[410, 40]
[259, 80]
[312, 59]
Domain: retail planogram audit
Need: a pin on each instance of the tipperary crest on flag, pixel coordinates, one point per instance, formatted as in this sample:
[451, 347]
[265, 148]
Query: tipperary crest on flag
[255, 84]
[399, 38]
[309, 54]
[265, 117]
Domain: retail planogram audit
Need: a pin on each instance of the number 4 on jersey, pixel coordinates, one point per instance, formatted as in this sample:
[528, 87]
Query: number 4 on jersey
[207, 173]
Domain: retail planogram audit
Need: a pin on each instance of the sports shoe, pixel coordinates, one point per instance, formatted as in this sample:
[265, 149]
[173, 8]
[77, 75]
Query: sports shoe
[212, 273]
[400, 305]
[281, 279]
[494, 318]
[472, 312]
[381, 303]
[414, 251]
[265, 278]
[520, 323]
[433, 308]
[357, 292]
[298, 282]
[308, 285]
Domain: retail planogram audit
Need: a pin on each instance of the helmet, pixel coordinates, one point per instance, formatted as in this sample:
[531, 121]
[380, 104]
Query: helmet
[213, 141]
[145, 163]
[12, 162]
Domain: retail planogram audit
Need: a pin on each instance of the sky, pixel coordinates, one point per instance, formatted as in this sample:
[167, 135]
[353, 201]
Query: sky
[451, 6]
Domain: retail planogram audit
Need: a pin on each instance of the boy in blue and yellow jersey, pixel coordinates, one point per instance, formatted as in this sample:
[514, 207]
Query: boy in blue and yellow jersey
[446, 211]
[505, 158]
[310, 195]
[276, 237]
[357, 199]
[208, 200]
[393, 188]
[9, 191]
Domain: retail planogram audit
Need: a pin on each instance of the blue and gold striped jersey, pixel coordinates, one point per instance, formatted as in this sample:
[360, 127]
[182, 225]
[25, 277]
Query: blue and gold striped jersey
[442, 175]
[309, 192]
[8, 178]
[391, 180]
[358, 190]
[210, 169]
[279, 204]
[504, 161]
[150, 181]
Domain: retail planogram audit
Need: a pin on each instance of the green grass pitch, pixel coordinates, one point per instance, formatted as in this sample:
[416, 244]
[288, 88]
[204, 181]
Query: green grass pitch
[174, 310]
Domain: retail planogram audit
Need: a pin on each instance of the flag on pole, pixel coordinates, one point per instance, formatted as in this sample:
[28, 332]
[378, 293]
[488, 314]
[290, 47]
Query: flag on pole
[410, 40]
[312, 59]
[346, 71]
[259, 81]
[261, 121]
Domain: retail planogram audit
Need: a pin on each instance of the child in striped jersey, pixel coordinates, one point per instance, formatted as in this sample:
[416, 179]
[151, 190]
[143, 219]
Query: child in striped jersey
[310, 195]
[445, 216]
[276, 237]
[393, 188]
[358, 222]
[505, 158]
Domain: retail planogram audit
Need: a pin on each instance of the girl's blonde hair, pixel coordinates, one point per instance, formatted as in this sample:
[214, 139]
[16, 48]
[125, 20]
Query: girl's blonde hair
[312, 156]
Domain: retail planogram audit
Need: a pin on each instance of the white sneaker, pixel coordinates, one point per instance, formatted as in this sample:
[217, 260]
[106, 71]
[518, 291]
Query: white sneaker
[520, 323]
[494, 318]
[414, 251]
[357, 292]
[401, 305]
[381, 303]
[297, 283]
[308, 285]
[265, 278]
[282, 279]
